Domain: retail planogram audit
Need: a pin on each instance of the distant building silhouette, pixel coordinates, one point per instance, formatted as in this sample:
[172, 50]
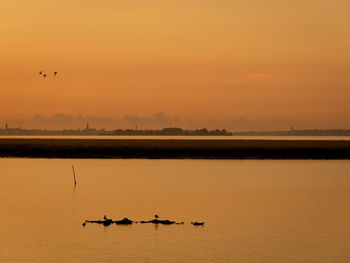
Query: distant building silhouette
[20, 124]
[172, 131]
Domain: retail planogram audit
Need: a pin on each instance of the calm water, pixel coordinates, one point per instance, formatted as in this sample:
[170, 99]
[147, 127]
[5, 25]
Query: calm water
[255, 211]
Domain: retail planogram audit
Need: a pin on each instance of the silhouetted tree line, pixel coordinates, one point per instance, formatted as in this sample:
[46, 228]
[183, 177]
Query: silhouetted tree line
[129, 132]
[313, 132]
[173, 131]
[169, 132]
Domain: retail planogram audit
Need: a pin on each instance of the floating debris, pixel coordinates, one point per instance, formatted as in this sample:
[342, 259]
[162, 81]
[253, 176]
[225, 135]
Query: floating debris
[197, 223]
[107, 221]
[126, 221]
[156, 220]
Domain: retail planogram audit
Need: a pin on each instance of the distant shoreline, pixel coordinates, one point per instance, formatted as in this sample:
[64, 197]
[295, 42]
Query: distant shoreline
[172, 131]
[174, 149]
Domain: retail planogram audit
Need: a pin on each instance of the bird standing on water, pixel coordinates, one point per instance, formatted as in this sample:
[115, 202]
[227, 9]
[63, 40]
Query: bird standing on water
[41, 72]
[44, 76]
[55, 73]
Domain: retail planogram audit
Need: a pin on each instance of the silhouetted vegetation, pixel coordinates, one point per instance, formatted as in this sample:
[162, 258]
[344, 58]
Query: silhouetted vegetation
[175, 149]
[328, 132]
[172, 132]
[168, 132]
[127, 132]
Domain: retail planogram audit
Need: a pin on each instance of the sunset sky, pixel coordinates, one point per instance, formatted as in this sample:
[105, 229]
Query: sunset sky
[202, 60]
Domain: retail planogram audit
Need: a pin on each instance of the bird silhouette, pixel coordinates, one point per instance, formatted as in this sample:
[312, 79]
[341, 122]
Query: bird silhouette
[156, 216]
[105, 217]
[44, 75]
[55, 73]
[41, 72]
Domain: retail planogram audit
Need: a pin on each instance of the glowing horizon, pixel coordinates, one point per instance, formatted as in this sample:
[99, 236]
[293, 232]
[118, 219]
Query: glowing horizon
[192, 59]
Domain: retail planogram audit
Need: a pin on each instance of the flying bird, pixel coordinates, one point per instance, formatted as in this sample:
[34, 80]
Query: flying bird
[55, 73]
[41, 72]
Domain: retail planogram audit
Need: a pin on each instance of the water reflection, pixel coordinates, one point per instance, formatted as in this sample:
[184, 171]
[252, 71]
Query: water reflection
[254, 211]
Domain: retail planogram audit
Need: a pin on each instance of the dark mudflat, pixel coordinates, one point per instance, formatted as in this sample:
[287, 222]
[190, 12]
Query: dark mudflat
[175, 149]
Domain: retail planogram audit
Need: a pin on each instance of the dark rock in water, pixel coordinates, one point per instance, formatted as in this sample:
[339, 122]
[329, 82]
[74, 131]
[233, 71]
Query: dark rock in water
[127, 221]
[157, 221]
[197, 223]
[107, 222]
[165, 222]
[95, 221]
[124, 221]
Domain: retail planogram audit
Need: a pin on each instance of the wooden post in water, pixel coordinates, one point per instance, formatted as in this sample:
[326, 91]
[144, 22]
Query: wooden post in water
[75, 180]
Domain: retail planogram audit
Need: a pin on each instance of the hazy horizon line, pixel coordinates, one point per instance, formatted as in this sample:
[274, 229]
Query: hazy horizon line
[160, 120]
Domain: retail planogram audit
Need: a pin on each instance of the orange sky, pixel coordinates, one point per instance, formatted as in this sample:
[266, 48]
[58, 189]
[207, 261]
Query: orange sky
[198, 59]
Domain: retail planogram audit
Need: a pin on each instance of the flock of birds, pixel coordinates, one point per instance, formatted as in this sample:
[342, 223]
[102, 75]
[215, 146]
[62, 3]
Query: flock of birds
[45, 75]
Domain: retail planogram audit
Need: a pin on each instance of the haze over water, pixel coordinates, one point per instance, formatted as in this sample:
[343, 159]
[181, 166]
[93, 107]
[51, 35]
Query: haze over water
[255, 211]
